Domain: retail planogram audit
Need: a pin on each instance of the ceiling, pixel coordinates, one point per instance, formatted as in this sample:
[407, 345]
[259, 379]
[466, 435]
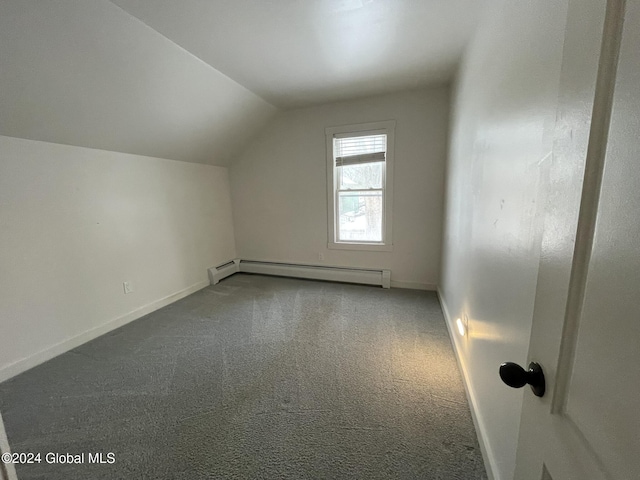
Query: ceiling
[86, 73]
[195, 80]
[295, 53]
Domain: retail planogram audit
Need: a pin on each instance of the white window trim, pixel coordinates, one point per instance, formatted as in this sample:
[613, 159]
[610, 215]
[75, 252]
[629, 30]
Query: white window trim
[387, 127]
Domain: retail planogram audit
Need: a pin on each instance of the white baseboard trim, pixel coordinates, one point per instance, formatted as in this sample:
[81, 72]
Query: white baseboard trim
[487, 454]
[414, 285]
[319, 272]
[42, 356]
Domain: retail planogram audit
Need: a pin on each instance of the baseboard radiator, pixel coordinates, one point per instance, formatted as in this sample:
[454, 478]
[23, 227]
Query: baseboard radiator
[319, 272]
[223, 271]
[313, 272]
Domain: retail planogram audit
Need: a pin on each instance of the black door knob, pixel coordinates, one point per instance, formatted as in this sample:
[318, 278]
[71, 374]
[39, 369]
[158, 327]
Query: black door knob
[515, 376]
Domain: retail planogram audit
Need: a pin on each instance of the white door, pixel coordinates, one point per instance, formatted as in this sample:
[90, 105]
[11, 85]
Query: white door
[586, 327]
[7, 470]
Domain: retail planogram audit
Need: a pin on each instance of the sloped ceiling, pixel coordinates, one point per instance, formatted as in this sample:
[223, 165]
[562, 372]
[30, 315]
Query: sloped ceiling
[296, 53]
[86, 73]
[193, 80]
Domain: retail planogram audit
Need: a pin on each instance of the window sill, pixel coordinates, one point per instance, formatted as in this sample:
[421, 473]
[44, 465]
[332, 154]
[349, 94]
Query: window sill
[367, 247]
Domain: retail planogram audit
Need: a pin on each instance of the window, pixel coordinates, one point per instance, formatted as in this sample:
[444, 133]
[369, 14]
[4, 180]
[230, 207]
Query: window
[359, 180]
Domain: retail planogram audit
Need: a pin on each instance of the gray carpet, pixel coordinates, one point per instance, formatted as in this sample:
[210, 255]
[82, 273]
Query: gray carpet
[257, 377]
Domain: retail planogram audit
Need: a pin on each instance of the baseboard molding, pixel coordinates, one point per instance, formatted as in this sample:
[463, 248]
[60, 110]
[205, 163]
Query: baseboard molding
[319, 272]
[414, 285]
[42, 356]
[216, 274]
[487, 454]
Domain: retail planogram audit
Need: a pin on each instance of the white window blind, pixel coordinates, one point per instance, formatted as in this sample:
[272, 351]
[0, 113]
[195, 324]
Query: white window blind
[358, 150]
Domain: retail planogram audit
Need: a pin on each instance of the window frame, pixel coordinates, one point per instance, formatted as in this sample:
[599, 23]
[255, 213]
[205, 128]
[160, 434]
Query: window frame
[361, 129]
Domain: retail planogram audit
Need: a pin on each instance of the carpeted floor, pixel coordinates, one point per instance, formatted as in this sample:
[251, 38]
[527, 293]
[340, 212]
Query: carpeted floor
[257, 377]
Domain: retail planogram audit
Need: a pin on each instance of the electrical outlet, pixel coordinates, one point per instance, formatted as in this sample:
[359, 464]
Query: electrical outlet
[321, 256]
[128, 288]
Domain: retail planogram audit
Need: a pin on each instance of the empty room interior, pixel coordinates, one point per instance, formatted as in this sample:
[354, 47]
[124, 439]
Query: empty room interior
[319, 239]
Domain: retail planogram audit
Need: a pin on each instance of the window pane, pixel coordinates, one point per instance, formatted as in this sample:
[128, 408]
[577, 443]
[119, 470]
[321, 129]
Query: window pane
[360, 216]
[366, 175]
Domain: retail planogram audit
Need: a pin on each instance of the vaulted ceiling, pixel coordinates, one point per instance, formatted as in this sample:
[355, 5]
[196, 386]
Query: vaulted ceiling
[193, 80]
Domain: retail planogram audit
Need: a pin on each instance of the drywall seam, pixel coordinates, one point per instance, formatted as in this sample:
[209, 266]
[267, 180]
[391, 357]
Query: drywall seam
[487, 454]
[42, 356]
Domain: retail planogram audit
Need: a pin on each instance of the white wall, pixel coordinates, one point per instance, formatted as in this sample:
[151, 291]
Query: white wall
[279, 191]
[75, 223]
[502, 121]
[87, 73]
